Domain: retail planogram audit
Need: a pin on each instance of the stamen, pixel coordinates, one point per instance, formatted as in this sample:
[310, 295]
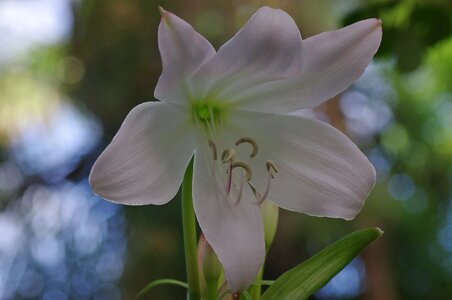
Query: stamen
[253, 189]
[229, 179]
[214, 149]
[261, 198]
[271, 168]
[258, 195]
[228, 155]
[244, 166]
[239, 194]
[250, 141]
[212, 119]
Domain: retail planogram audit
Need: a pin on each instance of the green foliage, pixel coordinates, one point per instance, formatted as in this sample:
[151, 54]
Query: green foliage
[439, 59]
[159, 282]
[409, 27]
[305, 279]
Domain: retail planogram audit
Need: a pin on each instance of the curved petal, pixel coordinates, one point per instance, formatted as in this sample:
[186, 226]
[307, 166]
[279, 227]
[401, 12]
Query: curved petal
[320, 171]
[146, 160]
[267, 48]
[235, 232]
[331, 62]
[182, 50]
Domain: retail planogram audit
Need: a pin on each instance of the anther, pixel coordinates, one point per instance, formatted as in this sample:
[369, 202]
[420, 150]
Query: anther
[271, 168]
[244, 166]
[214, 149]
[228, 155]
[251, 142]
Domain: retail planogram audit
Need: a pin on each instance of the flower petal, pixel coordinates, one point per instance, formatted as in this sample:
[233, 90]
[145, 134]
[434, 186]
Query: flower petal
[331, 62]
[235, 232]
[320, 171]
[146, 161]
[183, 50]
[267, 48]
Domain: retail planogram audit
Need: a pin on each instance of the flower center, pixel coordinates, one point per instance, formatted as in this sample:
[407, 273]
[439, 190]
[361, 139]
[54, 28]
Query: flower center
[207, 112]
[230, 164]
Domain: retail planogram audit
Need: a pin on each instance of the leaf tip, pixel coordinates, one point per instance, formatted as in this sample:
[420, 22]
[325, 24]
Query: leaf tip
[379, 231]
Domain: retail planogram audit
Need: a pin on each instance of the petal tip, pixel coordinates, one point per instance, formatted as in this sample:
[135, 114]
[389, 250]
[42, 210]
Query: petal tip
[371, 24]
[162, 11]
[376, 21]
[265, 7]
[165, 15]
[94, 182]
[271, 9]
[377, 24]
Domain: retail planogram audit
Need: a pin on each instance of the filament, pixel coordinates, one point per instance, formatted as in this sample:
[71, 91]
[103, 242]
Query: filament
[229, 178]
[271, 168]
[239, 193]
[214, 149]
[261, 198]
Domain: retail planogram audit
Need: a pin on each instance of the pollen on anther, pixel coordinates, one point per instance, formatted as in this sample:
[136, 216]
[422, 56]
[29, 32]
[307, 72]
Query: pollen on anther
[250, 141]
[244, 166]
[228, 155]
[271, 168]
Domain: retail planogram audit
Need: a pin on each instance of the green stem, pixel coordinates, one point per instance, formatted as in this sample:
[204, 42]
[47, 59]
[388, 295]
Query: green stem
[190, 239]
[255, 290]
[211, 292]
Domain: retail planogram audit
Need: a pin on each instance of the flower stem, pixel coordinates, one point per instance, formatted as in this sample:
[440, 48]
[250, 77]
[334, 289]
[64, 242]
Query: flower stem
[255, 290]
[190, 239]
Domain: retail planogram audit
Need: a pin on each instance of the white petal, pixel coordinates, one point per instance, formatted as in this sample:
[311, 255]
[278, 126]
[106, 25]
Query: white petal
[331, 62]
[320, 171]
[267, 48]
[146, 161]
[182, 50]
[235, 232]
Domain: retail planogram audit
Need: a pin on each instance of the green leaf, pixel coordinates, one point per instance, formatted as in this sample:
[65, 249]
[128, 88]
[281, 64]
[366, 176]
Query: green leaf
[263, 282]
[158, 282]
[305, 279]
[246, 296]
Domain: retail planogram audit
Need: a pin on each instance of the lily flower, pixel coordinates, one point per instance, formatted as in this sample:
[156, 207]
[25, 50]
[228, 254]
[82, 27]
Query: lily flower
[230, 110]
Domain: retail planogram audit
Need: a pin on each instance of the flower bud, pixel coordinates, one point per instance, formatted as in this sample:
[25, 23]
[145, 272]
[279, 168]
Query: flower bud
[210, 267]
[270, 214]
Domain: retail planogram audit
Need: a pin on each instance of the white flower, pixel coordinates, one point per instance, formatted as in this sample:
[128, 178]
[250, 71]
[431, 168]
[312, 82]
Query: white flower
[230, 110]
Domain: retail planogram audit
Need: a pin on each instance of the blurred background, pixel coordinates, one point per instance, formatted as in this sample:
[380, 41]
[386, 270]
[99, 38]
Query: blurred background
[70, 71]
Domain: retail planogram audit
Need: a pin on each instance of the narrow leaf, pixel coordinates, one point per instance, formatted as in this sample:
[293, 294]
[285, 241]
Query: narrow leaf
[263, 282]
[305, 279]
[246, 296]
[158, 282]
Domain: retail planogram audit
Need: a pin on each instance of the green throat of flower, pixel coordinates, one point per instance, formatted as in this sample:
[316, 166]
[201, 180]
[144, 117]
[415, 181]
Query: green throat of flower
[207, 112]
